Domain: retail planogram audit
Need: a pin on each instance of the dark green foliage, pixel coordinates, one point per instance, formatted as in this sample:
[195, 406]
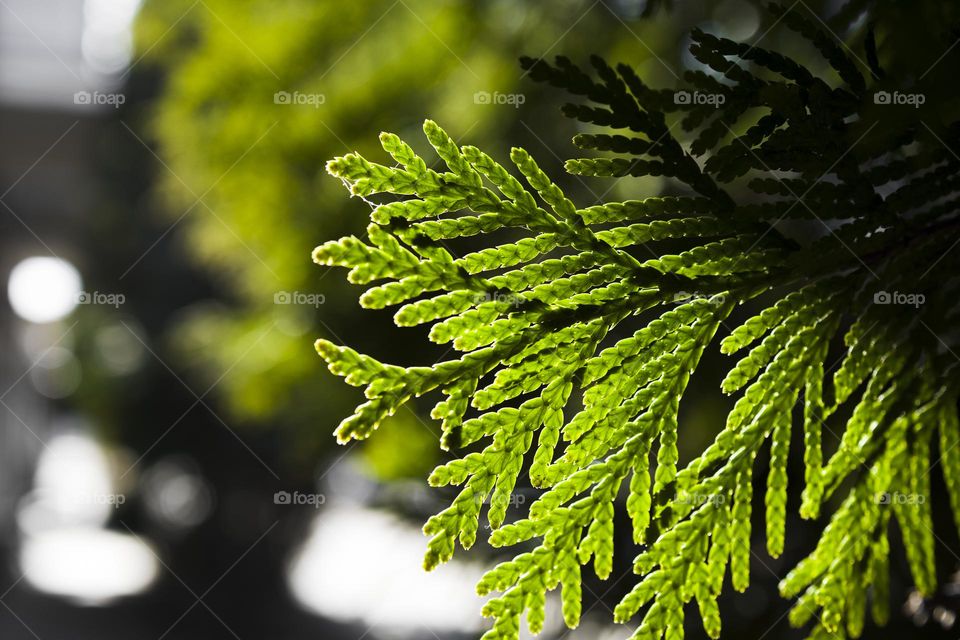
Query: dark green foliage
[594, 422]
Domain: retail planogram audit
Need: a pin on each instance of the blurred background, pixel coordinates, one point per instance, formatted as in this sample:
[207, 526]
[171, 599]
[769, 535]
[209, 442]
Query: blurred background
[167, 468]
